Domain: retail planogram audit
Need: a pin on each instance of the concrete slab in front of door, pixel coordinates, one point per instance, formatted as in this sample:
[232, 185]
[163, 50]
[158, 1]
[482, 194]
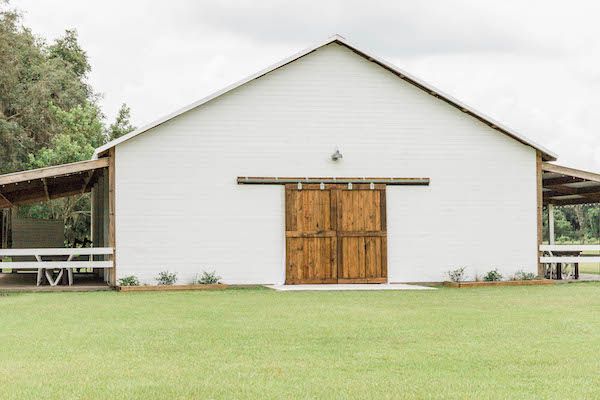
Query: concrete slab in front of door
[341, 287]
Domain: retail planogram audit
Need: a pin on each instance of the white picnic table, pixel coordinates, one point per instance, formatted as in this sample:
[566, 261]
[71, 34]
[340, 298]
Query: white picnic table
[47, 267]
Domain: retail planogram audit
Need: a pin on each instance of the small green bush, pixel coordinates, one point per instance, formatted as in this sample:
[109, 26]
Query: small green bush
[493, 276]
[130, 280]
[209, 278]
[457, 275]
[166, 278]
[524, 276]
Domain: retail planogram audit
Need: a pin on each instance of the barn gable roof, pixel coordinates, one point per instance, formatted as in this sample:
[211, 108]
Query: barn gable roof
[546, 154]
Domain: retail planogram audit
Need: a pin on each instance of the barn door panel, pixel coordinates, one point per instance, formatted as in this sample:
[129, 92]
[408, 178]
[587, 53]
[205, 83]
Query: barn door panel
[335, 234]
[362, 235]
[311, 260]
[311, 241]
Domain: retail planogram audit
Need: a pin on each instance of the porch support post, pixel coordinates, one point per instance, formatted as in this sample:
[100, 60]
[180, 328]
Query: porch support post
[551, 236]
[112, 242]
[539, 209]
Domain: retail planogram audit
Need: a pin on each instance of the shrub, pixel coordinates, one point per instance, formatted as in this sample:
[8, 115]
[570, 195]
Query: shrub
[209, 278]
[493, 276]
[130, 280]
[457, 275]
[166, 278]
[524, 276]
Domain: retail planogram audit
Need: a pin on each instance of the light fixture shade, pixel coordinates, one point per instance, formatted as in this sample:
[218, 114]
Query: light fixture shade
[336, 155]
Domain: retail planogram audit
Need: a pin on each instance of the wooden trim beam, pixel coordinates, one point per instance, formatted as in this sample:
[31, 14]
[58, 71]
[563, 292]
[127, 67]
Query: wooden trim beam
[571, 202]
[577, 173]
[29, 196]
[58, 170]
[566, 191]
[247, 180]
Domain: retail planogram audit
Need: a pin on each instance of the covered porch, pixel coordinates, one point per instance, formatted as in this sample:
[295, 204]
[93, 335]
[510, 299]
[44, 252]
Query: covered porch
[32, 258]
[563, 186]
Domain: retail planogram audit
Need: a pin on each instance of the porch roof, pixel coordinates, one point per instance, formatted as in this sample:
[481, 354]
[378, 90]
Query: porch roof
[568, 186]
[49, 183]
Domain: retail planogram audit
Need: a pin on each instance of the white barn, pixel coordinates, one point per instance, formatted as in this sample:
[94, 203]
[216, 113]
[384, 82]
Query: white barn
[179, 206]
[332, 166]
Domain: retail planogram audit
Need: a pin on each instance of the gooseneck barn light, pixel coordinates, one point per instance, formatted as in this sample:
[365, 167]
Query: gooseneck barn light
[336, 155]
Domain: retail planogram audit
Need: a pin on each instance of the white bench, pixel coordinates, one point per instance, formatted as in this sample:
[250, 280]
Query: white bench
[46, 267]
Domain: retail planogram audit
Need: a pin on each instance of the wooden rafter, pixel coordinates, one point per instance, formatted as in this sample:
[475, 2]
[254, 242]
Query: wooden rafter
[49, 183]
[549, 182]
[571, 172]
[59, 170]
[565, 190]
[557, 189]
[595, 198]
[4, 202]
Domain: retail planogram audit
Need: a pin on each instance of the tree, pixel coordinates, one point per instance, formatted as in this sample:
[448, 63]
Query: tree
[33, 75]
[575, 223]
[81, 133]
[67, 50]
[122, 124]
[563, 227]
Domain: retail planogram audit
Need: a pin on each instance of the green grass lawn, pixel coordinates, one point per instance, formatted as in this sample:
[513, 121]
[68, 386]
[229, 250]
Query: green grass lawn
[492, 343]
[590, 268]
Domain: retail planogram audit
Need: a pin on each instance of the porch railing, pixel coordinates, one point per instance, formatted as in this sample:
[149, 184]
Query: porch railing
[61, 259]
[556, 256]
[569, 253]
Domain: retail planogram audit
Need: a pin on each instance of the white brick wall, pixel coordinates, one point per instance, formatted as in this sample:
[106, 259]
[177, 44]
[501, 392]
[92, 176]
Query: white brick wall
[179, 208]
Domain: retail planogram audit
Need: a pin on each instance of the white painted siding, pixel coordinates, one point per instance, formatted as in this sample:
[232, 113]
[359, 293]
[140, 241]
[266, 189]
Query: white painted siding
[179, 208]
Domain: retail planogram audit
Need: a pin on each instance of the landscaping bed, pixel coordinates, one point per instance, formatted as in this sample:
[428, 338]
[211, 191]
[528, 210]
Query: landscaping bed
[532, 282]
[167, 288]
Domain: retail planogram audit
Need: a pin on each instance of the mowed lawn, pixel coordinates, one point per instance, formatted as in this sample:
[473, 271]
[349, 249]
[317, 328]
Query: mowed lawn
[590, 268]
[490, 343]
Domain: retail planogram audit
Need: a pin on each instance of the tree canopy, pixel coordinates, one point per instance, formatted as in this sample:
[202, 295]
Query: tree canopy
[49, 113]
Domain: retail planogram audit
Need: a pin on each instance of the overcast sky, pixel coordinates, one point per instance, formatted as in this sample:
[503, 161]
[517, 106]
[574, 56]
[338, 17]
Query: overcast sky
[533, 65]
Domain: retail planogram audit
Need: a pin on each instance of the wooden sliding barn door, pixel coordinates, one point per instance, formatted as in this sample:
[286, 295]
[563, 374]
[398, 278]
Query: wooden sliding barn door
[335, 234]
[310, 232]
[362, 235]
